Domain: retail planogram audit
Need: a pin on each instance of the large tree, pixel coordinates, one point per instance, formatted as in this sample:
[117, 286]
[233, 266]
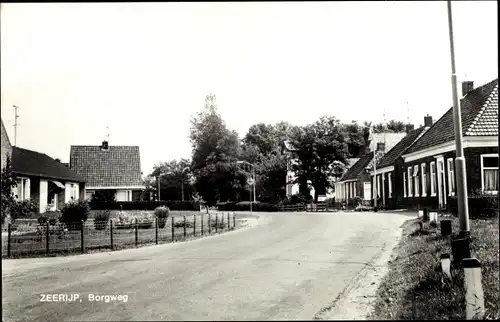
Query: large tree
[215, 150]
[175, 179]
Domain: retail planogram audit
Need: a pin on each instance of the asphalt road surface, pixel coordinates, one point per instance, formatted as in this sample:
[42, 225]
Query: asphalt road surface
[286, 266]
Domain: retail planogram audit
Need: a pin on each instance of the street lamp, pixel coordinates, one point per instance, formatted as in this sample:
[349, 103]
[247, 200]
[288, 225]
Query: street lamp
[251, 181]
[462, 202]
[375, 188]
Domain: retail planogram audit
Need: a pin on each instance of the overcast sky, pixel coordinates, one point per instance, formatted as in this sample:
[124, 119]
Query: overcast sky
[144, 69]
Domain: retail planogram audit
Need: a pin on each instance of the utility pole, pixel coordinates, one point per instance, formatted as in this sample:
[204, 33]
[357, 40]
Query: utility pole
[15, 124]
[463, 207]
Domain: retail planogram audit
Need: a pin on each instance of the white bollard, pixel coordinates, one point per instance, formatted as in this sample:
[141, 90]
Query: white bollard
[474, 296]
[446, 265]
[420, 214]
[433, 217]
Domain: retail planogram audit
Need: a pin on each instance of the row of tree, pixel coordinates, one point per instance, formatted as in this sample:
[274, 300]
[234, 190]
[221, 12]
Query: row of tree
[216, 172]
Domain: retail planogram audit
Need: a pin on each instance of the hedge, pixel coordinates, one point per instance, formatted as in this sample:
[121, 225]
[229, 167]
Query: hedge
[145, 205]
[482, 206]
[245, 206]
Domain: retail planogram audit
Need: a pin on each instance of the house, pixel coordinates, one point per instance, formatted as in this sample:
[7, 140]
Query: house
[390, 166]
[356, 182]
[108, 167]
[45, 180]
[429, 170]
[6, 147]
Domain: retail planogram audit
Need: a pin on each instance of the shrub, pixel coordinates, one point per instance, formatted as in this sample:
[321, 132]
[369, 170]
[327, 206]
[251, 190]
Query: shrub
[145, 220]
[74, 213]
[51, 216]
[128, 221]
[480, 205]
[162, 213]
[145, 205]
[125, 221]
[101, 220]
[245, 206]
[180, 223]
[23, 209]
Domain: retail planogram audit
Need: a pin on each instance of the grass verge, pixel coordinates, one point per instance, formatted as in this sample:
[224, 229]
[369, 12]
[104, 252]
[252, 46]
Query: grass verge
[414, 290]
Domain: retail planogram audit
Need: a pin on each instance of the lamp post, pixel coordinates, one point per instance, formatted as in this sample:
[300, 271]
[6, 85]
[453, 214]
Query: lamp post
[251, 182]
[462, 202]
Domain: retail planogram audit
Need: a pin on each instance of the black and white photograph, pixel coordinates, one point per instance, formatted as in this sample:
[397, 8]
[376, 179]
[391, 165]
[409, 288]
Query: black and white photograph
[260, 161]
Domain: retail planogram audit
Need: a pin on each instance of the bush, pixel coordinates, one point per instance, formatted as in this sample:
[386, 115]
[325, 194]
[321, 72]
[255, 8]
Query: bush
[245, 206]
[49, 216]
[101, 220]
[162, 213]
[74, 213]
[480, 205]
[125, 221]
[145, 221]
[145, 205]
[180, 223]
[24, 209]
[128, 221]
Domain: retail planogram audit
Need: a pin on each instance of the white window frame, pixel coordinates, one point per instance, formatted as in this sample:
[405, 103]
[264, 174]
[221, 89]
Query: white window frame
[389, 182]
[423, 177]
[451, 176]
[492, 155]
[416, 179]
[404, 185]
[432, 166]
[354, 189]
[410, 179]
[22, 184]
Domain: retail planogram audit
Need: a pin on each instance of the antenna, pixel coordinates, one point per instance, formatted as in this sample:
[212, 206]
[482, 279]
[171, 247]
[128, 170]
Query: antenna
[16, 116]
[385, 124]
[107, 133]
[407, 112]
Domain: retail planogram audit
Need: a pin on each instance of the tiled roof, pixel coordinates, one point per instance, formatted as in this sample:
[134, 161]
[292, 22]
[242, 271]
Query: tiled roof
[119, 166]
[33, 163]
[353, 172]
[479, 112]
[394, 153]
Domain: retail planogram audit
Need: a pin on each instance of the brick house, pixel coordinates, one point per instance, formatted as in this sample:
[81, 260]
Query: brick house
[356, 182]
[108, 167]
[428, 170]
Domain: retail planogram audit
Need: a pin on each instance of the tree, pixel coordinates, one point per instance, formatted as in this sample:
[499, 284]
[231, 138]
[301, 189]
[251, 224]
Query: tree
[396, 126]
[356, 137]
[8, 183]
[175, 179]
[215, 150]
[271, 178]
[322, 149]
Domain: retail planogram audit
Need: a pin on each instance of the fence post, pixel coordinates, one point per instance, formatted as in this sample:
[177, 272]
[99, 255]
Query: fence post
[111, 233]
[222, 220]
[474, 295]
[173, 228]
[194, 225]
[216, 223]
[234, 221]
[82, 245]
[184, 227]
[136, 232]
[47, 236]
[8, 239]
[209, 224]
[201, 224]
[228, 222]
[156, 230]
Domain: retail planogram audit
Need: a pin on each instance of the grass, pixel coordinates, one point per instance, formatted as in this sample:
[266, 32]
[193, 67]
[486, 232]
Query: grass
[414, 290]
[30, 243]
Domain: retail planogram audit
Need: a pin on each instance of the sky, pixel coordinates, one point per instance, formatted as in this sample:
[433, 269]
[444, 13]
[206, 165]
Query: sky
[143, 69]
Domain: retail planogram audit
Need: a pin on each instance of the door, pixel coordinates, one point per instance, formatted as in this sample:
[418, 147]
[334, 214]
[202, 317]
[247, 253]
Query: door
[367, 191]
[441, 183]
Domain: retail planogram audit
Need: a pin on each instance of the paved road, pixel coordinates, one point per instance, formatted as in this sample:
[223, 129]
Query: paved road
[289, 266]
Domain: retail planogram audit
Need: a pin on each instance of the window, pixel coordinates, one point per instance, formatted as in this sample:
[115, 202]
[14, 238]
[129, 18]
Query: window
[433, 178]
[424, 179]
[489, 173]
[451, 178]
[74, 191]
[389, 182]
[354, 189]
[415, 178]
[404, 185]
[410, 190]
[22, 190]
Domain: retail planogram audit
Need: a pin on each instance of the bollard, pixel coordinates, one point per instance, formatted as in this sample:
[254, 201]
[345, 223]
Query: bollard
[173, 228]
[420, 214]
[425, 214]
[156, 230]
[9, 233]
[216, 223]
[209, 224]
[222, 221]
[47, 237]
[136, 233]
[194, 225]
[184, 227]
[234, 221]
[201, 224]
[82, 244]
[446, 227]
[433, 217]
[474, 295]
[111, 233]
[445, 265]
[228, 222]
[460, 249]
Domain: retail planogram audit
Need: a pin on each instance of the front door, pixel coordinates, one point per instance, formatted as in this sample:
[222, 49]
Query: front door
[367, 191]
[441, 183]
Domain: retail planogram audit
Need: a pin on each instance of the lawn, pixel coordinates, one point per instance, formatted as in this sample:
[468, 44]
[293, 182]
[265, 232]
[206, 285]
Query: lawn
[28, 242]
[413, 288]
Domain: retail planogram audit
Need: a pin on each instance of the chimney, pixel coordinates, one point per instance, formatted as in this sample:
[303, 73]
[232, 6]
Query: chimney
[381, 146]
[104, 146]
[427, 120]
[409, 127]
[467, 86]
